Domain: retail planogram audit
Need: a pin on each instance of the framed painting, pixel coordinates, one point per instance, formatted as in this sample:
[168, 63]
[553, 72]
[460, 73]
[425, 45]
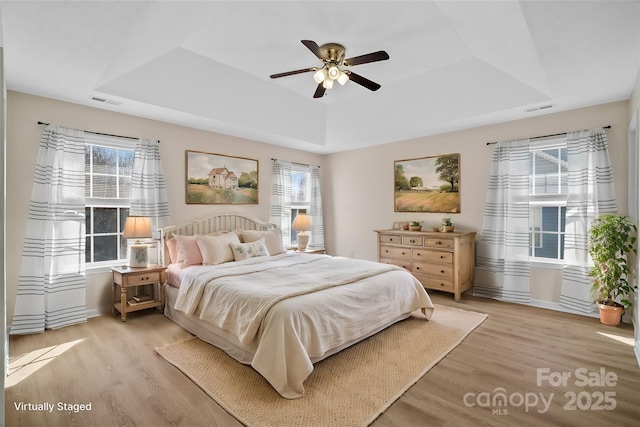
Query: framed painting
[427, 184]
[216, 179]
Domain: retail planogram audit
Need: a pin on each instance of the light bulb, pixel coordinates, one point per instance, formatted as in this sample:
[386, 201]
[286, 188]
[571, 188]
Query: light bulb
[334, 72]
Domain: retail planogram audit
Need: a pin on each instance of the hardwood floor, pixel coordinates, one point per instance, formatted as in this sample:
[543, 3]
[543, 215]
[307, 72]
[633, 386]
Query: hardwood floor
[113, 366]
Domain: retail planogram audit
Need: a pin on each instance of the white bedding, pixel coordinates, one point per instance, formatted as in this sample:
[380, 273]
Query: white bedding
[310, 306]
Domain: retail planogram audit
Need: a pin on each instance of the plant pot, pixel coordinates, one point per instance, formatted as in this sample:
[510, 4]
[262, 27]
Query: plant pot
[610, 314]
[415, 227]
[447, 228]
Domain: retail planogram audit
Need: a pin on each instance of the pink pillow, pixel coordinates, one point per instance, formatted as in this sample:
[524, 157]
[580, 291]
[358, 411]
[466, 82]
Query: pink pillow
[172, 249]
[188, 251]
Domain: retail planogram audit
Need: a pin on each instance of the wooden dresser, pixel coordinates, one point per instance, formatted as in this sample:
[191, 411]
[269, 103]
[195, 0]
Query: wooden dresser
[442, 261]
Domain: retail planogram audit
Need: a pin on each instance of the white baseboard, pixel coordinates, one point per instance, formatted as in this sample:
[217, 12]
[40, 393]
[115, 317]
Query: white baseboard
[557, 307]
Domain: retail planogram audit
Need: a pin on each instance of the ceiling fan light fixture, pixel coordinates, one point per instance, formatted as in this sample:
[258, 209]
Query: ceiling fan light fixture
[327, 84]
[334, 72]
[343, 78]
[320, 75]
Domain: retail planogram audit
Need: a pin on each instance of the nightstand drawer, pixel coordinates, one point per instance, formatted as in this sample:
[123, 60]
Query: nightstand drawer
[390, 238]
[143, 278]
[395, 253]
[427, 255]
[444, 271]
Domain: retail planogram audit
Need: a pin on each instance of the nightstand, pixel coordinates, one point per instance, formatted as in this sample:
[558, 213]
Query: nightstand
[310, 251]
[130, 277]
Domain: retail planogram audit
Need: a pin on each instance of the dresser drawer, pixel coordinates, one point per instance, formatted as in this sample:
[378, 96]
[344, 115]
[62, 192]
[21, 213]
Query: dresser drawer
[444, 271]
[391, 238]
[143, 278]
[433, 242]
[412, 241]
[397, 262]
[434, 283]
[427, 255]
[395, 253]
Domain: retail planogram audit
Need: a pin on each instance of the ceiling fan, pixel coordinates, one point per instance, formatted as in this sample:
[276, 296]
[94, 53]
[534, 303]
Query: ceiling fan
[332, 55]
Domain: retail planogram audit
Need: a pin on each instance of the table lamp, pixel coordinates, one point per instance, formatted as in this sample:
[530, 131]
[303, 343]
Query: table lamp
[137, 227]
[301, 224]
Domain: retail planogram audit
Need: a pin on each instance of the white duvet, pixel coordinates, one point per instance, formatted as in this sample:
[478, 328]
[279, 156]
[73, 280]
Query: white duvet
[296, 307]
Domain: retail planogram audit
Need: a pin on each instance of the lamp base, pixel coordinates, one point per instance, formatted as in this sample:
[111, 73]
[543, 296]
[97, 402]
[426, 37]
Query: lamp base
[138, 256]
[303, 241]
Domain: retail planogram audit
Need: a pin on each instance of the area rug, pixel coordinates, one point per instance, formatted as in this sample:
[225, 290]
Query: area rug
[350, 388]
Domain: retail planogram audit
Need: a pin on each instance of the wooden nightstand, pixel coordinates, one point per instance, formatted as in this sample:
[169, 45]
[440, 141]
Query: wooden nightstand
[128, 277]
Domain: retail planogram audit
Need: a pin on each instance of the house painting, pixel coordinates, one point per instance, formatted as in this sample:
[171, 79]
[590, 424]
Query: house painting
[222, 178]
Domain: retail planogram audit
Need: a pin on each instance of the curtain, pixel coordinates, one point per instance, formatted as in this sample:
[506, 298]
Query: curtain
[315, 210]
[51, 285]
[148, 187]
[502, 260]
[591, 193]
[281, 198]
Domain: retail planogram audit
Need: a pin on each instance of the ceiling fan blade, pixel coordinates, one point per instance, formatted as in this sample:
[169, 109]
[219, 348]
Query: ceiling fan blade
[357, 78]
[319, 91]
[313, 47]
[291, 73]
[380, 55]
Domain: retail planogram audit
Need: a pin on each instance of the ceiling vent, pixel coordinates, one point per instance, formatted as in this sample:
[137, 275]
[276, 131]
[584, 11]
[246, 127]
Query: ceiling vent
[543, 107]
[105, 101]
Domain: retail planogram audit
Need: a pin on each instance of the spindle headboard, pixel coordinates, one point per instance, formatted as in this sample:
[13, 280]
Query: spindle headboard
[207, 225]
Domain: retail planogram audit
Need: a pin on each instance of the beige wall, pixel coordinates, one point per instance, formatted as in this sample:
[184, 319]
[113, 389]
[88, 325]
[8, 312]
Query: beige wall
[357, 185]
[23, 137]
[359, 190]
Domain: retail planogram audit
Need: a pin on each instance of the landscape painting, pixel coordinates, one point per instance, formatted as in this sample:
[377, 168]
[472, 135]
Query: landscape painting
[216, 179]
[428, 184]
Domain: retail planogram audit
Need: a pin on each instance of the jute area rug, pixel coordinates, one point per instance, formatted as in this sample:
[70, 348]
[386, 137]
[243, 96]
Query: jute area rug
[350, 388]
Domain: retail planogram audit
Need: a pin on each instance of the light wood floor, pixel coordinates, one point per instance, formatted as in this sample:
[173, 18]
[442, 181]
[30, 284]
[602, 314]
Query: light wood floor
[113, 366]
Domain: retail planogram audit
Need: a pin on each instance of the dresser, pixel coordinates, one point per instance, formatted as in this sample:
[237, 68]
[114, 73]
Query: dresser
[442, 261]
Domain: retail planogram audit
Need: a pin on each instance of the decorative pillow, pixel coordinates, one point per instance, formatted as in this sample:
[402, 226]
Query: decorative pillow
[215, 249]
[188, 251]
[172, 249]
[249, 250]
[272, 238]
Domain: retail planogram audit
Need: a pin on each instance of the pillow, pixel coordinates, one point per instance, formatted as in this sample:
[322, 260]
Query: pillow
[216, 249]
[272, 238]
[188, 252]
[172, 249]
[249, 250]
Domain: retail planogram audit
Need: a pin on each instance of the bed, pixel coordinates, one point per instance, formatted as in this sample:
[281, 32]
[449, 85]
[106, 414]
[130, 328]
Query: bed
[231, 283]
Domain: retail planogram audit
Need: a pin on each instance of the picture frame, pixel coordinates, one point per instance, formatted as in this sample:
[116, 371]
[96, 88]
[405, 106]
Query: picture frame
[219, 179]
[427, 184]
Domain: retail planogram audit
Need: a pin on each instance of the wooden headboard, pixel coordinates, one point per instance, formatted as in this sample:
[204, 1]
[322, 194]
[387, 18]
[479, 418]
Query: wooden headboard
[207, 225]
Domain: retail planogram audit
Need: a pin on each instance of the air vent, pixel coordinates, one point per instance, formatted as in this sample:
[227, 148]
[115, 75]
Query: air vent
[105, 101]
[543, 107]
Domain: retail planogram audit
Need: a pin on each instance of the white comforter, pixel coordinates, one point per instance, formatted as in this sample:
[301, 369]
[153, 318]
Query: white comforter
[294, 307]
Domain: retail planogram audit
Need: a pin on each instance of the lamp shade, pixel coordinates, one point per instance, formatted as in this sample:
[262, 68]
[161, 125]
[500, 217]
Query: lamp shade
[137, 227]
[302, 222]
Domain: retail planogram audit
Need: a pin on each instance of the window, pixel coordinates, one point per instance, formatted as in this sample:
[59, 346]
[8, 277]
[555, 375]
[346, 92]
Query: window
[547, 199]
[108, 167]
[300, 196]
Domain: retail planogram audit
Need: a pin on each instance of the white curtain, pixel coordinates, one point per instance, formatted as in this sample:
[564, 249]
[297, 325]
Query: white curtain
[148, 187]
[591, 193]
[502, 261]
[51, 286]
[281, 198]
[315, 210]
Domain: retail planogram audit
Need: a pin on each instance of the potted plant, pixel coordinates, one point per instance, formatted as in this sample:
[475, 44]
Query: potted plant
[447, 225]
[415, 226]
[611, 238]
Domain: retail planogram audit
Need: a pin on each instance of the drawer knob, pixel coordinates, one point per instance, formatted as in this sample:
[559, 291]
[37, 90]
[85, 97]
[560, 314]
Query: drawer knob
[441, 256]
[441, 271]
[403, 252]
[438, 242]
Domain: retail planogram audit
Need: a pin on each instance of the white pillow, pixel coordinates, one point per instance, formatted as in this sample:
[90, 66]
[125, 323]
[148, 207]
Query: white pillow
[272, 238]
[215, 249]
[249, 250]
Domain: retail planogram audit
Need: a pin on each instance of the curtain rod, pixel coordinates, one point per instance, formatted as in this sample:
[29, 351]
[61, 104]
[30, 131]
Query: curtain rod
[296, 163]
[547, 136]
[103, 134]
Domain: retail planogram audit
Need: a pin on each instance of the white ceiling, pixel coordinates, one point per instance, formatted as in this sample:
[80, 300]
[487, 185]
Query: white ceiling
[206, 64]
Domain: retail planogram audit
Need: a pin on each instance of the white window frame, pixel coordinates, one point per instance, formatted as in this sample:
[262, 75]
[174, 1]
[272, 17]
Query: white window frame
[538, 201]
[299, 205]
[101, 202]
